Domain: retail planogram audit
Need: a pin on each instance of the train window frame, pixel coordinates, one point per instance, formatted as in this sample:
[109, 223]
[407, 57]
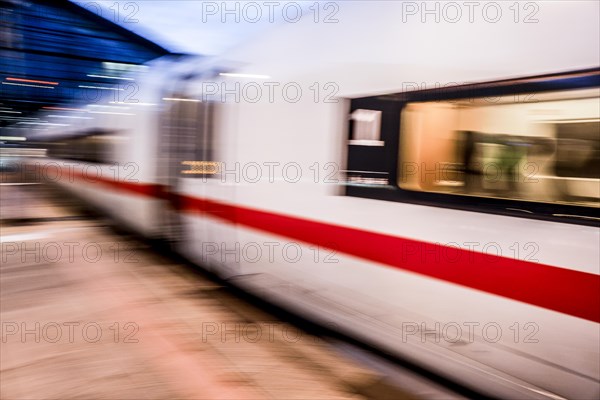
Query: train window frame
[391, 191]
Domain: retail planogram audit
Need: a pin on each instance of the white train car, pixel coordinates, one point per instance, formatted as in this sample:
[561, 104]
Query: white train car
[428, 188]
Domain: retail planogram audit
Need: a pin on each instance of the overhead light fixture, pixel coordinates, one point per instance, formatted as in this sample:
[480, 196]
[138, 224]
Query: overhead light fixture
[17, 118]
[99, 87]
[132, 104]
[62, 109]
[31, 81]
[123, 67]
[180, 99]
[110, 77]
[105, 106]
[235, 75]
[109, 113]
[41, 123]
[28, 85]
[15, 138]
[68, 116]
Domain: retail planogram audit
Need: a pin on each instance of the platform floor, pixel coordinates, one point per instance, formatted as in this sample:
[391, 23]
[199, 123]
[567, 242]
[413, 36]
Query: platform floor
[89, 313]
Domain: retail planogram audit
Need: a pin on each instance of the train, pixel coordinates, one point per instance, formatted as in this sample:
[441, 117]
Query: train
[428, 188]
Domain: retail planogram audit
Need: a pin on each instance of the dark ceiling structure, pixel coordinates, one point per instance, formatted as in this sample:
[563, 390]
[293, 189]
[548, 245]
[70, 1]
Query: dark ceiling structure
[54, 53]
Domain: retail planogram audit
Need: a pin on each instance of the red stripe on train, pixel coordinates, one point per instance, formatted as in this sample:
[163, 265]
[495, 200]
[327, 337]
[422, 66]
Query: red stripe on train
[571, 292]
[143, 189]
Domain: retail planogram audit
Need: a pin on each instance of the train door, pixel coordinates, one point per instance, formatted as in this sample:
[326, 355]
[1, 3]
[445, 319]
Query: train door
[192, 221]
[184, 151]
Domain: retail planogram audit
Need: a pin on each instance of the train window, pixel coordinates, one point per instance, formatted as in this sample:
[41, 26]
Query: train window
[94, 147]
[541, 148]
[193, 138]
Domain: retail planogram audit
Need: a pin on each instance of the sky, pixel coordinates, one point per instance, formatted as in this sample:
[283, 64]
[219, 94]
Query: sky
[201, 27]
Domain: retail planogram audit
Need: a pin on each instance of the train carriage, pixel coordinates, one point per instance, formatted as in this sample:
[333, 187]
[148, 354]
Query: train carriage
[441, 205]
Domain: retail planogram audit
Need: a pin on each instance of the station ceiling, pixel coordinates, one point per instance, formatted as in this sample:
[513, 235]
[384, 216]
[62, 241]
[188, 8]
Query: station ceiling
[57, 53]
